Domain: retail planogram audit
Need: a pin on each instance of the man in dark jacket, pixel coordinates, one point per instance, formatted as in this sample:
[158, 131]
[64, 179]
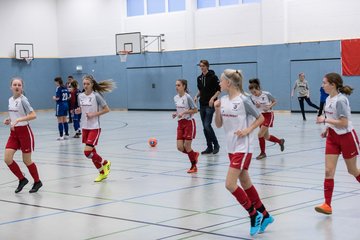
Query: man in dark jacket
[209, 90]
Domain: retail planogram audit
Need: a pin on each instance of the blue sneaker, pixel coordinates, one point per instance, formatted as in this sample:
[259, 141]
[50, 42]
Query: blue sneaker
[255, 223]
[265, 222]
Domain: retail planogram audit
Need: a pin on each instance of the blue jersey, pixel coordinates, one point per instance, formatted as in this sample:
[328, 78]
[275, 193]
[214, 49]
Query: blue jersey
[323, 95]
[62, 105]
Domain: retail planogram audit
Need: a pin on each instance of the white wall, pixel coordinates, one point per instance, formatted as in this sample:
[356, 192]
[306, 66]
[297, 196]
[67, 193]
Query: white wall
[75, 28]
[24, 21]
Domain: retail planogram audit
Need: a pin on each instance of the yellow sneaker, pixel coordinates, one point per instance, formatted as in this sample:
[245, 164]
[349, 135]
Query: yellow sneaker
[106, 168]
[100, 177]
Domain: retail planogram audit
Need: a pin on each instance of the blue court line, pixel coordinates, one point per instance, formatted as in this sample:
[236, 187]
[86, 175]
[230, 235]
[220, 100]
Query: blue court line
[118, 218]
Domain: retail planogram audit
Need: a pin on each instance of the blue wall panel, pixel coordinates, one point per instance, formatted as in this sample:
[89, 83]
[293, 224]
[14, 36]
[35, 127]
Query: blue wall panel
[277, 67]
[38, 79]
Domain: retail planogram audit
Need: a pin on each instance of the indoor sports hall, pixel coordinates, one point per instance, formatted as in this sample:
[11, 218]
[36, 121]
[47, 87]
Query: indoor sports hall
[143, 47]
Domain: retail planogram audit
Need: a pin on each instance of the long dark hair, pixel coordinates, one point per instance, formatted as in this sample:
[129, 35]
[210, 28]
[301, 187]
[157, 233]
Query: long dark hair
[185, 83]
[336, 79]
[59, 80]
[101, 87]
[254, 83]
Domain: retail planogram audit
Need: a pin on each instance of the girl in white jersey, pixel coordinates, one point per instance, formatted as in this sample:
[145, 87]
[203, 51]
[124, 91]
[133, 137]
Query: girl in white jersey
[264, 101]
[186, 130]
[92, 105]
[239, 117]
[339, 133]
[21, 136]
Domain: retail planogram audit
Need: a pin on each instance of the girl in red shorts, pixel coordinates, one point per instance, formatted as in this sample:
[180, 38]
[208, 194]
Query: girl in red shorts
[239, 117]
[264, 101]
[340, 135]
[21, 136]
[91, 106]
[186, 130]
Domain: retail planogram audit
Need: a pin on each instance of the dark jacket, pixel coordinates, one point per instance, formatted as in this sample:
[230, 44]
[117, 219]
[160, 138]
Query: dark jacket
[208, 85]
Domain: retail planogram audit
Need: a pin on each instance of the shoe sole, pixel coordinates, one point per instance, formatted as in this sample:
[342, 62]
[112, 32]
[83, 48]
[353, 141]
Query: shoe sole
[320, 210]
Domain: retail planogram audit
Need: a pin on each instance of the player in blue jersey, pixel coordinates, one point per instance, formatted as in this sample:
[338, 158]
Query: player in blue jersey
[62, 107]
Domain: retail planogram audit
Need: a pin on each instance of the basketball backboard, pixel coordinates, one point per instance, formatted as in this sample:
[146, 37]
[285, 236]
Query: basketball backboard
[24, 51]
[130, 42]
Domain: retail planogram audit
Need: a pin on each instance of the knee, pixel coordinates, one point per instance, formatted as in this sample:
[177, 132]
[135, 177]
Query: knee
[230, 186]
[355, 172]
[8, 161]
[180, 148]
[329, 172]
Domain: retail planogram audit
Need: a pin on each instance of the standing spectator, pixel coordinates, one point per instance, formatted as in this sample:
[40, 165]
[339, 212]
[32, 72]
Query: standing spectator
[209, 90]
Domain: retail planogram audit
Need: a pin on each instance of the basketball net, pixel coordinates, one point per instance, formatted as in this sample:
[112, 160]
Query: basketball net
[28, 60]
[123, 55]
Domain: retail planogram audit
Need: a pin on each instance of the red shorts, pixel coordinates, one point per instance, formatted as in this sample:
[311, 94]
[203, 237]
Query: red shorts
[186, 129]
[91, 136]
[21, 138]
[269, 119]
[240, 160]
[347, 144]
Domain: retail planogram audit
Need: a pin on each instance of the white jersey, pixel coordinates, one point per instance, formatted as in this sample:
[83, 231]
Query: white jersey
[264, 100]
[90, 103]
[19, 107]
[238, 114]
[183, 104]
[337, 107]
[302, 88]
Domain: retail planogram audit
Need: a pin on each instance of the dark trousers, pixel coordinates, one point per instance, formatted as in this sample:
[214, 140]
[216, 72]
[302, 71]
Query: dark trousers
[321, 108]
[308, 101]
[206, 114]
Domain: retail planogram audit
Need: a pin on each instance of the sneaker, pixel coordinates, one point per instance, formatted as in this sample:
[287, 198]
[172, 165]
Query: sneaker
[78, 132]
[193, 169]
[60, 138]
[21, 185]
[282, 147]
[261, 156]
[66, 136]
[207, 151]
[255, 222]
[265, 222]
[216, 149]
[76, 136]
[106, 168]
[36, 187]
[324, 208]
[100, 177]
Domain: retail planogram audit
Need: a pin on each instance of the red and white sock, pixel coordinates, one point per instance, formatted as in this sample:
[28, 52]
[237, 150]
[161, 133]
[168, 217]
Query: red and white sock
[243, 199]
[14, 168]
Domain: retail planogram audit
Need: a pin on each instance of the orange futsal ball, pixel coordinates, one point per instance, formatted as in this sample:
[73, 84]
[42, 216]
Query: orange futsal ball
[152, 142]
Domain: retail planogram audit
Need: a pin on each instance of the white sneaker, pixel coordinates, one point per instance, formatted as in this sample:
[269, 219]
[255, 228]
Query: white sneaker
[66, 137]
[60, 138]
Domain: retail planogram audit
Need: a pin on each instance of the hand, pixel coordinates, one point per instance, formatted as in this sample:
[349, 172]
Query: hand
[324, 134]
[13, 124]
[78, 111]
[320, 119]
[242, 133]
[91, 114]
[257, 104]
[72, 111]
[174, 115]
[211, 102]
[54, 98]
[7, 121]
[180, 115]
[217, 104]
[195, 99]
[267, 107]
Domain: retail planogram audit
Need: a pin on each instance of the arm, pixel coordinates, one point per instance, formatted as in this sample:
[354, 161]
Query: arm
[293, 89]
[197, 96]
[28, 117]
[212, 99]
[342, 122]
[255, 124]
[218, 117]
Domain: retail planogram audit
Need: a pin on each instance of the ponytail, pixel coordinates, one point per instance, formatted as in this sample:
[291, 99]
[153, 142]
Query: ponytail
[101, 87]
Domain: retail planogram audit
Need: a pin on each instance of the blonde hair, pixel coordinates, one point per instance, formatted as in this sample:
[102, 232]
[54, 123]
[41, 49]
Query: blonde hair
[101, 87]
[235, 77]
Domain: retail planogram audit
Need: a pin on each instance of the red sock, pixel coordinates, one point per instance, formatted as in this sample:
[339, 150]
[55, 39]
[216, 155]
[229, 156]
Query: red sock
[328, 190]
[34, 172]
[255, 199]
[191, 156]
[96, 159]
[358, 178]
[243, 199]
[274, 139]
[262, 144]
[14, 167]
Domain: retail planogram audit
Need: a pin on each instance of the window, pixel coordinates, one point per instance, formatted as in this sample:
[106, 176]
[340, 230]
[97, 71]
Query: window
[251, 1]
[176, 5]
[155, 6]
[206, 3]
[135, 7]
[228, 2]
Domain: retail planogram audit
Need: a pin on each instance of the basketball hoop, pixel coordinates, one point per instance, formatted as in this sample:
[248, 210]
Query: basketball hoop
[123, 55]
[28, 60]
